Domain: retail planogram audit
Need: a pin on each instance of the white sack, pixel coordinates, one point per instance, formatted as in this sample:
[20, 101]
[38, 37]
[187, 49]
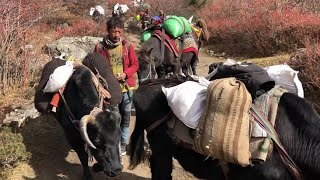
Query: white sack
[59, 78]
[124, 8]
[100, 9]
[286, 77]
[92, 11]
[187, 101]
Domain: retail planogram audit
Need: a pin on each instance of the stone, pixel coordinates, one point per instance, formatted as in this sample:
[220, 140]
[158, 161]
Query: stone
[77, 47]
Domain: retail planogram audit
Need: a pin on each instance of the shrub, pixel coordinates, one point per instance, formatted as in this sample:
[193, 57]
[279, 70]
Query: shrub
[83, 27]
[171, 7]
[59, 18]
[12, 149]
[307, 62]
[16, 19]
[82, 7]
[258, 27]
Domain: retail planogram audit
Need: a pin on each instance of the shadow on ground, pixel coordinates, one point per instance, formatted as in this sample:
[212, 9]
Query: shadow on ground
[52, 157]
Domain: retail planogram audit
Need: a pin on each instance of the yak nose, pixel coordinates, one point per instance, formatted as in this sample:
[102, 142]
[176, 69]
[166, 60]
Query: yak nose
[114, 173]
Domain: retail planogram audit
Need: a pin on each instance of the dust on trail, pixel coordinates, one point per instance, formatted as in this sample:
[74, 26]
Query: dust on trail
[53, 158]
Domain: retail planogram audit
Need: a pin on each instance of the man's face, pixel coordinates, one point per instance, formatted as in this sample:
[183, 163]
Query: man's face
[115, 34]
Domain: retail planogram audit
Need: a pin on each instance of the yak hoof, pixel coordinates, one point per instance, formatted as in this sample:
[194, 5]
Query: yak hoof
[97, 168]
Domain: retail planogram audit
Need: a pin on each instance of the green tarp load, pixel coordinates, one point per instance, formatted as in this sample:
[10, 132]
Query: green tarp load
[146, 35]
[175, 26]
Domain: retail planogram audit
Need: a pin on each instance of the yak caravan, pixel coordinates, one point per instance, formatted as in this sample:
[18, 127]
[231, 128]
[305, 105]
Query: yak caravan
[218, 94]
[170, 46]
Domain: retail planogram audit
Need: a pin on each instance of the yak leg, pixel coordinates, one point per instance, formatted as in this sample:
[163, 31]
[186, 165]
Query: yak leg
[161, 72]
[176, 69]
[197, 164]
[194, 63]
[187, 71]
[83, 156]
[77, 145]
[161, 157]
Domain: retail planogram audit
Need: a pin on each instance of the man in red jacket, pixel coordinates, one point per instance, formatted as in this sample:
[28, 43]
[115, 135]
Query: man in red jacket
[124, 65]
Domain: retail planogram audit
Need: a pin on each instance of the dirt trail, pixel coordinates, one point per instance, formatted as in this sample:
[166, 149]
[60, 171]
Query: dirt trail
[52, 157]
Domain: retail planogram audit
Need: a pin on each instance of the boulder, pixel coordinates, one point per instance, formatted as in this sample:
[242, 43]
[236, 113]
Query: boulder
[77, 47]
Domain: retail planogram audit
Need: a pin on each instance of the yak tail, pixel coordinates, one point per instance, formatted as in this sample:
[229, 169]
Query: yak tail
[136, 146]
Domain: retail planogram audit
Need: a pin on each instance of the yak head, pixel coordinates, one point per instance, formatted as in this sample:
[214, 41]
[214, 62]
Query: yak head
[101, 131]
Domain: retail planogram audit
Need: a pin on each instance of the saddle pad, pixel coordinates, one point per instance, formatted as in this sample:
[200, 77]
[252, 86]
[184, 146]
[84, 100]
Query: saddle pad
[169, 43]
[189, 44]
[179, 132]
[223, 130]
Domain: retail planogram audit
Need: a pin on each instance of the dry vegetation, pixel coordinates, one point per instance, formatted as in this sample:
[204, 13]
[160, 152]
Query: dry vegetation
[245, 28]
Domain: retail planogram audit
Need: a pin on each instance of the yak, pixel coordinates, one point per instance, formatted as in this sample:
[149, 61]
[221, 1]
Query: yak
[86, 128]
[297, 124]
[150, 63]
[150, 55]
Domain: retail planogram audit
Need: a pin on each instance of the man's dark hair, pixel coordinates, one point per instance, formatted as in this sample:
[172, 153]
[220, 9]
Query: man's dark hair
[115, 22]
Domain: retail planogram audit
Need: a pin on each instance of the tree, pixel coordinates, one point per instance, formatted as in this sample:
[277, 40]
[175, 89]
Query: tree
[16, 17]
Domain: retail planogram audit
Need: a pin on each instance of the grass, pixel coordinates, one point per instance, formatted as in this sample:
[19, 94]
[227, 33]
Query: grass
[269, 61]
[12, 151]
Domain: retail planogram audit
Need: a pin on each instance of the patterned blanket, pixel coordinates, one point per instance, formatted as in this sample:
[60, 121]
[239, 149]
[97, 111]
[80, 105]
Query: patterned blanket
[174, 45]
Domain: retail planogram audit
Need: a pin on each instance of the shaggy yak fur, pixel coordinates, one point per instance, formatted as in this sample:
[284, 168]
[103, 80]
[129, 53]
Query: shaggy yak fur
[81, 97]
[297, 124]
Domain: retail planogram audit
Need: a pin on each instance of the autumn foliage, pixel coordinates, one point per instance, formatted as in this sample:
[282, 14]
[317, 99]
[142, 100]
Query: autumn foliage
[259, 27]
[307, 62]
[16, 19]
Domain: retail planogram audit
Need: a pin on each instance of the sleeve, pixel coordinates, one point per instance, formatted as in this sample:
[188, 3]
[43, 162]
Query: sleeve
[133, 62]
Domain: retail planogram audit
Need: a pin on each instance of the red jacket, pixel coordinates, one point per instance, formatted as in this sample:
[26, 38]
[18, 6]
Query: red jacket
[130, 65]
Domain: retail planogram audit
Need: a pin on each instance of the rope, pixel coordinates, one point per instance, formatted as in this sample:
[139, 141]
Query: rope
[263, 121]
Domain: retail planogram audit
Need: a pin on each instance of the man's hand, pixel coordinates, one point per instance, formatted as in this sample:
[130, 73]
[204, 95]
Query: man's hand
[121, 76]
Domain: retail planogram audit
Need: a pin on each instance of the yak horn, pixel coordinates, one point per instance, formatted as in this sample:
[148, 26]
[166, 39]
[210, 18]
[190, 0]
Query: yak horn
[83, 128]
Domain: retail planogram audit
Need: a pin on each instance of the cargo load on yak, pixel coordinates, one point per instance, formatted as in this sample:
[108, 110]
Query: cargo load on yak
[223, 130]
[55, 76]
[146, 35]
[227, 118]
[176, 26]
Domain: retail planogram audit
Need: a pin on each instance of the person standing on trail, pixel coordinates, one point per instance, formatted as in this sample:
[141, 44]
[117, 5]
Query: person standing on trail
[124, 64]
[145, 19]
[161, 16]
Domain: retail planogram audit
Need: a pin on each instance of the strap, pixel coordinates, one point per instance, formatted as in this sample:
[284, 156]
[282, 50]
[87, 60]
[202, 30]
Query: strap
[158, 122]
[70, 114]
[100, 46]
[263, 121]
[162, 46]
[181, 43]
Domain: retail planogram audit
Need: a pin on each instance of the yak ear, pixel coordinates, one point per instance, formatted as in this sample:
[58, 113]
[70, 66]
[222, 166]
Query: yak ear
[149, 51]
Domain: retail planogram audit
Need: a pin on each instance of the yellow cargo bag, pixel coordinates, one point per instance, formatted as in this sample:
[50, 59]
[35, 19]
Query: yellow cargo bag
[223, 130]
